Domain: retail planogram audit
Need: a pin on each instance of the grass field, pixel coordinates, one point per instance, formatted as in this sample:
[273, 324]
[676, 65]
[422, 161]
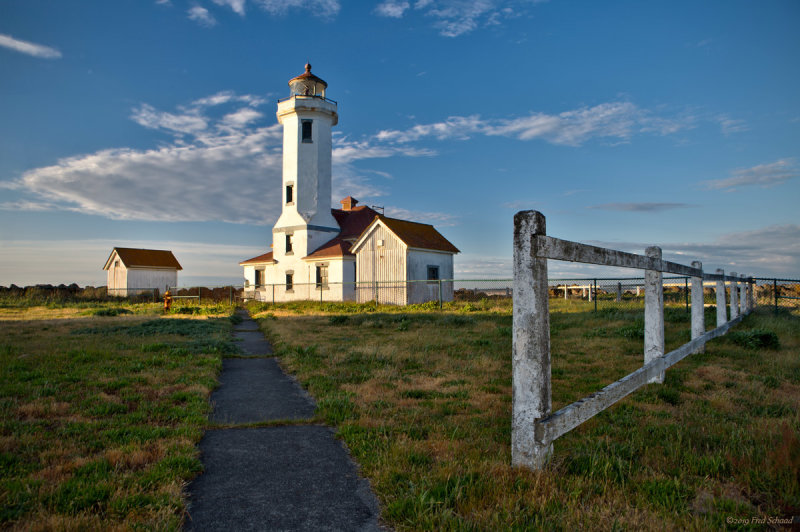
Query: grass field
[101, 407]
[100, 411]
[422, 399]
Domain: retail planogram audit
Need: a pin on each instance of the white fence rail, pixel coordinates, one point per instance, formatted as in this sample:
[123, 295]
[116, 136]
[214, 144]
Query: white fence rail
[534, 425]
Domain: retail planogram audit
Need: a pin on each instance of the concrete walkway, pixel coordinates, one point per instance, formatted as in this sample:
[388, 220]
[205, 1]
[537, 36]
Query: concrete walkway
[295, 477]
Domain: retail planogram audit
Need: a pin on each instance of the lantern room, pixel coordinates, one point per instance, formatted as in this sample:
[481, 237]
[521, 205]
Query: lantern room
[307, 84]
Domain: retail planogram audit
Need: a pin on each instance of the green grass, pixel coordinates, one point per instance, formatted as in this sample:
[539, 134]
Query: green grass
[422, 399]
[100, 414]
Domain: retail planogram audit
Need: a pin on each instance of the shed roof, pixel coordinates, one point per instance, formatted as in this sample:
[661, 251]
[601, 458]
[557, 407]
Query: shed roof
[266, 258]
[143, 258]
[417, 235]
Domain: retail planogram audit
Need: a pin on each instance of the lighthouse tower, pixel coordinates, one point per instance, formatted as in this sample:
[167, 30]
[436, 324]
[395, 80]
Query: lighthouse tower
[306, 221]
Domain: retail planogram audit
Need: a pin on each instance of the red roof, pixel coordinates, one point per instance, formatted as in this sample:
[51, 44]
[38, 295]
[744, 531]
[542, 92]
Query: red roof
[417, 235]
[352, 224]
[261, 259]
[142, 258]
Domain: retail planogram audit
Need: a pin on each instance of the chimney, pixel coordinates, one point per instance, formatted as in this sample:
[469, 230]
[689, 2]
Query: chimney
[348, 203]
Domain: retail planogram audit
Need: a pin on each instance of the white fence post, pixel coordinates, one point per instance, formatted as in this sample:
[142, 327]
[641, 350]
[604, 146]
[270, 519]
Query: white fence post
[734, 296]
[722, 302]
[698, 307]
[653, 313]
[530, 344]
[751, 295]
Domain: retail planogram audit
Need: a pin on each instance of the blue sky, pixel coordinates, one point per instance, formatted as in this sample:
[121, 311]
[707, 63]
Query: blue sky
[628, 124]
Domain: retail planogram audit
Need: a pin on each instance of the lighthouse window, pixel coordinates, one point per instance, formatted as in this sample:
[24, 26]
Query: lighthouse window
[306, 124]
[288, 244]
[289, 194]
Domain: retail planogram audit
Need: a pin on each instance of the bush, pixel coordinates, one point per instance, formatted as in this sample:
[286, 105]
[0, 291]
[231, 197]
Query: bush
[755, 339]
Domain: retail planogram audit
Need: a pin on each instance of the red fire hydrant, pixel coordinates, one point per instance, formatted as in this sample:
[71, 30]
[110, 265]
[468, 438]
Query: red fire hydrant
[167, 301]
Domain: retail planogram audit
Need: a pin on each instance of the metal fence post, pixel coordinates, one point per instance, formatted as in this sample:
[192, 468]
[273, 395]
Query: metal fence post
[775, 294]
[594, 294]
[654, 313]
[530, 345]
[698, 307]
[734, 295]
[440, 294]
[743, 296]
[273, 293]
[686, 290]
[722, 310]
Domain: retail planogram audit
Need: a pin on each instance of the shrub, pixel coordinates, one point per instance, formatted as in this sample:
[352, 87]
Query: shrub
[755, 339]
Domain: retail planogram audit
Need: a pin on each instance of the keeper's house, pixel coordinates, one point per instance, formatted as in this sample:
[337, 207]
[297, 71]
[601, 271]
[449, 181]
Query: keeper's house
[348, 254]
[132, 271]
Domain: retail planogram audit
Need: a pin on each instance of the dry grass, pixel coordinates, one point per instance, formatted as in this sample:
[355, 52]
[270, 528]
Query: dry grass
[422, 399]
[100, 416]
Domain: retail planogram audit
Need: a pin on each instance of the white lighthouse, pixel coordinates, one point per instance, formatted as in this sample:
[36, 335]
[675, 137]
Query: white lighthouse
[307, 117]
[352, 253]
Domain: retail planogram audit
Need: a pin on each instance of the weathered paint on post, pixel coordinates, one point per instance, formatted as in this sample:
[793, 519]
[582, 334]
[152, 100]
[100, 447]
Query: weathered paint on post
[653, 313]
[734, 296]
[722, 304]
[530, 344]
[698, 310]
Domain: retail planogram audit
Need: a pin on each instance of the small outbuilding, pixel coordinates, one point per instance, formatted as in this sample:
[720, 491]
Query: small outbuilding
[132, 271]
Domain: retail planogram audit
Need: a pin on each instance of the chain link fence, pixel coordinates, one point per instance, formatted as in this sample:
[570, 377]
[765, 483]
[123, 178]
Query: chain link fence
[774, 293]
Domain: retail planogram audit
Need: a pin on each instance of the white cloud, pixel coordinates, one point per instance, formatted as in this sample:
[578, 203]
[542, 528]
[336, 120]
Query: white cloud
[222, 164]
[729, 125]
[147, 116]
[772, 250]
[236, 5]
[640, 207]
[201, 15]
[453, 18]
[321, 8]
[613, 120]
[392, 9]
[764, 175]
[439, 219]
[29, 48]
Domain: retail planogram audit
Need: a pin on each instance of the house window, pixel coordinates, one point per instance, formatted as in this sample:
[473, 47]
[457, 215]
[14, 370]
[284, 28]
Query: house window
[289, 281]
[288, 244]
[289, 194]
[433, 273]
[306, 126]
[259, 278]
[322, 276]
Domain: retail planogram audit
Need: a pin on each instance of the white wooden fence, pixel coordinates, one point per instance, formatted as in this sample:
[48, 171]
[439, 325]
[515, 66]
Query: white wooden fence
[534, 425]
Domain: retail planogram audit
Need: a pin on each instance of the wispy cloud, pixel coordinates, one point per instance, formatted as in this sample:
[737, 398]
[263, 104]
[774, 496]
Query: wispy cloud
[391, 9]
[729, 125]
[321, 8]
[614, 120]
[640, 207]
[201, 15]
[221, 162]
[453, 18]
[763, 175]
[29, 48]
[439, 219]
[236, 5]
[772, 250]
